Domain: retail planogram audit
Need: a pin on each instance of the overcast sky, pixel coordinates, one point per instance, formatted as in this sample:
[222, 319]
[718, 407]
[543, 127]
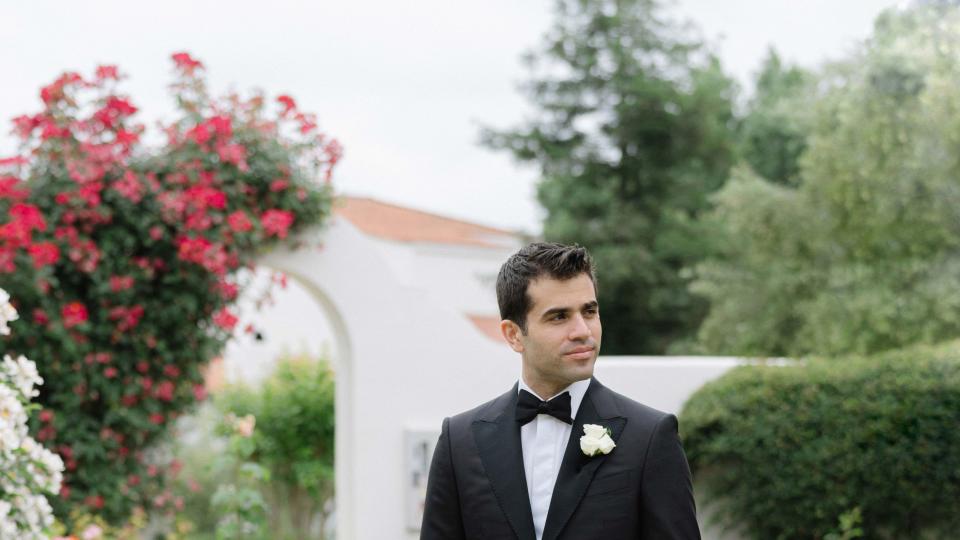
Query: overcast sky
[403, 85]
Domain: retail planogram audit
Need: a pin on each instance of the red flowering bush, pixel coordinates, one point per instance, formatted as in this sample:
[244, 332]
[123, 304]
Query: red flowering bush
[124, 258]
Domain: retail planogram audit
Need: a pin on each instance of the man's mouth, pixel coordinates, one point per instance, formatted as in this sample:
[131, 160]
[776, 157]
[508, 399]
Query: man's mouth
[580, 353]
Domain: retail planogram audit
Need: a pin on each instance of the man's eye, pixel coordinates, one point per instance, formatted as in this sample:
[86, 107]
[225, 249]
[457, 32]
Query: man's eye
[559, 316]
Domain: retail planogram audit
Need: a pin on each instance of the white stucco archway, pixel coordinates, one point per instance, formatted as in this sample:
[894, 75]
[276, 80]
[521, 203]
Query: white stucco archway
[392, 344]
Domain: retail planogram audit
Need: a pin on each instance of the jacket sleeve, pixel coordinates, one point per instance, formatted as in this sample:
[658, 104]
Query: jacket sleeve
[441, 513]
[667, 509]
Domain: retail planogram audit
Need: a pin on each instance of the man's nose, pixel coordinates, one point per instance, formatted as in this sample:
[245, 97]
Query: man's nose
[580, 330]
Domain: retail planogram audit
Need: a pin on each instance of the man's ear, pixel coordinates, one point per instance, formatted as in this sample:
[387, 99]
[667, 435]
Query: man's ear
[511, 333]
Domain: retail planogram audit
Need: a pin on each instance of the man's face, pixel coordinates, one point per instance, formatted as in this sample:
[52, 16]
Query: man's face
[563, 334]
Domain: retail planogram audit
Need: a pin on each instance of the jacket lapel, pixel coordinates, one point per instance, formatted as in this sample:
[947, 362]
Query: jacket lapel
[497, 434]
[577, 469]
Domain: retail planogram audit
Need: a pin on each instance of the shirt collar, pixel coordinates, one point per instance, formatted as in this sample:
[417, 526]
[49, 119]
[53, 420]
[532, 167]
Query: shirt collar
[577, 391]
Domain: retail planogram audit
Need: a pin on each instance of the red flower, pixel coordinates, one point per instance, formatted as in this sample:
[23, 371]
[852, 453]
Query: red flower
[276, 222]
[120, 283]
[186, 63]
[46, 415]
[228, 290]
[143, 366]
[233, 153]
[288, 104]
[224, 319]
[222, 125]
[239, 222]
[44, 254]
[29, 216]
[171, 370]
[199, 134]
[126, 138]
[199, 392]
[156, 418]
[73, 314]
[8, 188]
[40, 317]
[129, 187]
[110, 372]
[279, 185]
[164, 391]
[107, 72]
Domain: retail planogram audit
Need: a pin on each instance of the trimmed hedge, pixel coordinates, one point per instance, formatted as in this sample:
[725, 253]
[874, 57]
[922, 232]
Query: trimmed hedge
[784, 451]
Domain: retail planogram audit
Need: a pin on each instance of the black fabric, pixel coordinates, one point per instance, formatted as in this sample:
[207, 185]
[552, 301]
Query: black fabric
[529, 406]
[641, 490]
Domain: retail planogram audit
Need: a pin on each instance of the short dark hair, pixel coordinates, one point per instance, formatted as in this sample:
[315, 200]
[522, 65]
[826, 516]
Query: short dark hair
[558, 261]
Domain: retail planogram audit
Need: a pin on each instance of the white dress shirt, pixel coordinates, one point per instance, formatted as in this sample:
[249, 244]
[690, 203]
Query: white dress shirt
[544, 440]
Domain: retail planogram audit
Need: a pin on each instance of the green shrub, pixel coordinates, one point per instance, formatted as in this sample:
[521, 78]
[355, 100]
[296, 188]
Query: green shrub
[784, 451]
[294, 440]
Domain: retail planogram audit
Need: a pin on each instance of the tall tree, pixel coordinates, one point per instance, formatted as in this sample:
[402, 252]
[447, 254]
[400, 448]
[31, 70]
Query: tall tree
[632, 133]
[772, 134]
[864, 254]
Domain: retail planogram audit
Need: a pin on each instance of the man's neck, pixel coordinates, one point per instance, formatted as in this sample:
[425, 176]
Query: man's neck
[544, 389]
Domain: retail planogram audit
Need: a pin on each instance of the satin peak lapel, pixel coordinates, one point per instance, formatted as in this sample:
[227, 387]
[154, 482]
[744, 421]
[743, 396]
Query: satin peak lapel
[577, 469]
[497, 434]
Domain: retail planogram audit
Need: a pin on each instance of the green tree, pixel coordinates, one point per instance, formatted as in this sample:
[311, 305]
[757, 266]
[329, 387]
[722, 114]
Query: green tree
[294, 440]
[772, 134]
[632, 133]
[863, 254]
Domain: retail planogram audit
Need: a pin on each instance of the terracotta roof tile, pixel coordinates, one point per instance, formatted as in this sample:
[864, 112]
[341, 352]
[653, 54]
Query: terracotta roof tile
[489, 326]
[402, 224]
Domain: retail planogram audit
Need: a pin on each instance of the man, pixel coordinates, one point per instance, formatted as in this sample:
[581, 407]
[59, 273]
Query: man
[559, 456]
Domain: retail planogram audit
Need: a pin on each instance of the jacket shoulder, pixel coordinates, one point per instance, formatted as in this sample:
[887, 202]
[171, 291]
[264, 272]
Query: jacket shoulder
[486, 409]
[637, 411]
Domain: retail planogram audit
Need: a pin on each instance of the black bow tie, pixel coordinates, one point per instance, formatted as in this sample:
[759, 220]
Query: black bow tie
[529, 406]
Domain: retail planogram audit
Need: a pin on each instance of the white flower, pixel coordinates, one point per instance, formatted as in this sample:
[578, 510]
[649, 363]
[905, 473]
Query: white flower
[7, 312]
[596, 440]
[23, 374]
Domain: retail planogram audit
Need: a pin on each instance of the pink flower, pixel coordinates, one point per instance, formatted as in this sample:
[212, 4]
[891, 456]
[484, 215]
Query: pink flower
[44, 254]
[277, 222]
[239, 222]
[224, 319]
[129, 187]
[186, 63]
[107, 72]
[288, 104]
[110, 372]
[73, 314]
[164, 391]
[120, 283]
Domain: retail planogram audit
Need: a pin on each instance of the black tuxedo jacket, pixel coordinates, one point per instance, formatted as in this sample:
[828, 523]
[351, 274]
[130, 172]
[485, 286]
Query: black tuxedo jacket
[641, 489]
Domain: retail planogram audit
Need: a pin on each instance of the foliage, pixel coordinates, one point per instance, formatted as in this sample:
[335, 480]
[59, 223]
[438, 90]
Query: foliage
[772, 135]
[294, 440]
[241, 509]
[786, 451]
[631, 134]
[862, 255]
[27, 469]
[124, 260]
[90, 527]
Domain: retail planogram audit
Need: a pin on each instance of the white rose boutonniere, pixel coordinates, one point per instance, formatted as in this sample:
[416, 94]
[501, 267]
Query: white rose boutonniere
[596, 440]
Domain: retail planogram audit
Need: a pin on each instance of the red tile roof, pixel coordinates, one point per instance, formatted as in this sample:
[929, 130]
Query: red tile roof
[402, 224]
